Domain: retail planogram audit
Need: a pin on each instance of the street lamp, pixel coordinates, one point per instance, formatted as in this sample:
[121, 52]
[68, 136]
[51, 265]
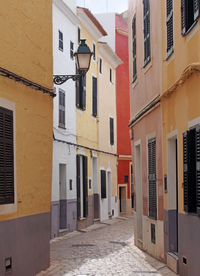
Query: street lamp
[83, 58]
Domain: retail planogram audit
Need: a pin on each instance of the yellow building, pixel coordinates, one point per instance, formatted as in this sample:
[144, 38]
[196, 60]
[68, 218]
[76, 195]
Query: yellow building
[26, 99]
[87, 120]
[181, 123]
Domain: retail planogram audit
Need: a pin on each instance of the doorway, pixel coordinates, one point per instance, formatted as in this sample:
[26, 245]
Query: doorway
[95, 189]
[109, 194]
[122, 199]
[172, 183]
[62, 196]
[138, 186]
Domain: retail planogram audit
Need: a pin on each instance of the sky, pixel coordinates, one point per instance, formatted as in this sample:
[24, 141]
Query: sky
[101, 6]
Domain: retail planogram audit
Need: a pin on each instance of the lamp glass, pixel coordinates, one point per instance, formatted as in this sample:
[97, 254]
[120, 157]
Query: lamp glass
[83, 61]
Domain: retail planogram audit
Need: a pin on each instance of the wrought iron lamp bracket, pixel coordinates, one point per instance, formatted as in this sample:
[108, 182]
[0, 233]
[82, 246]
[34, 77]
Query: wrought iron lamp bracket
[60, 79]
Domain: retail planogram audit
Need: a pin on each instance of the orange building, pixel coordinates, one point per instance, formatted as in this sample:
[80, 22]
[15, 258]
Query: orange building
[181, 137]
[26, 117]
[146, 123]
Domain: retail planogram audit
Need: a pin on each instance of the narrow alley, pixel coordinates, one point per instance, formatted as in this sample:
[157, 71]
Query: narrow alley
[102, 249]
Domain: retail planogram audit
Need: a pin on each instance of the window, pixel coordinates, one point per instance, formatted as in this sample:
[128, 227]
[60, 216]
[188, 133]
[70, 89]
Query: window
[82, 186]
[111, 131]
[189, 14]
[110, 75]
[81, 93]
[103, 184]
[191, 170]
[152, 178]
[60, 38]
[71, 50]
[147, 46]
[126, 178]
[94, 96]
[100, 66]
[79, 35]
[6, 157]
[134, 48]
[61, 108]
[94, 51]
[170, 27]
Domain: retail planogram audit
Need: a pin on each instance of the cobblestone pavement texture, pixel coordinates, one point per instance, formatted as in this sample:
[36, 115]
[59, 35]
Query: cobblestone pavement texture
[102, 249]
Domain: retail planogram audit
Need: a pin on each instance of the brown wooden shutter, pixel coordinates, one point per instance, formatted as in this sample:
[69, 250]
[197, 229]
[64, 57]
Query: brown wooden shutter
[83, 90]
[183, 13]
[103, 184]
[198, 169]
[196, 9]
[94, 96]
[134, 48]
[152, 178]
[85, 187]
[78, 185]
[6, 157]
[170, 27]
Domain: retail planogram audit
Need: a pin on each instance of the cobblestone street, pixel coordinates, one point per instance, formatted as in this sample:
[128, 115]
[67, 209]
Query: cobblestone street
[103, 249]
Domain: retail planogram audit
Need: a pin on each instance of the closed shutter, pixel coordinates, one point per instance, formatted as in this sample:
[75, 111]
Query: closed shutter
[6, 157]
[111, 131]
[83, 91]
[152, 178]
[183, 13]
[170, 27]
[147, 47]
[79, 35]
[198, 169]
[85, 187]
[196, 9]
[77, 91]
[192, 170]
[185, 169]
[94, 96]
[134, 48]
[78, 185]
[61, 108]
[103, 184]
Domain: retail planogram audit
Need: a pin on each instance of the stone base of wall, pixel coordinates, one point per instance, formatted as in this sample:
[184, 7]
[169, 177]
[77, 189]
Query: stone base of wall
[68, 219]
[26, 241]
[85, 222]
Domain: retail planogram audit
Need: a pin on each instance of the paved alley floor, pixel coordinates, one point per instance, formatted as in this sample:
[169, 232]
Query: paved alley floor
[104, 249]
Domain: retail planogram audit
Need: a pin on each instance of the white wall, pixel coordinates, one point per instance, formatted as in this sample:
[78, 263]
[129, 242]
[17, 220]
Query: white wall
[107, 20]
[63, 64]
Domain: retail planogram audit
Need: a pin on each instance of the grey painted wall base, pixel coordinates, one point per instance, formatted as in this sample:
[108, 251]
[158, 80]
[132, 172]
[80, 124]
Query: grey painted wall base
[67, 219]
[26, 241]
[83, 223]
[188, 242]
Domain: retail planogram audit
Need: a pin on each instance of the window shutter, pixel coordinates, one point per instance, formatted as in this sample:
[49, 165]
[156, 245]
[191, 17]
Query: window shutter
[170, 27]
[79, 35]
[6, 157]
[198, 169]
[183, 21]
[196, 9]
[134, 48]
[83, 88]
[77, 91]
[111, 131]
[61, 108]
[85, 187]
[185, 170]
[94, 96]
[103, 184]
[78, 185]
[152, 178]
[147, 46]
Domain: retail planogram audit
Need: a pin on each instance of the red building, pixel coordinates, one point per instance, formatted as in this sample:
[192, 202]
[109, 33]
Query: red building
[117, 29]
[123, 115]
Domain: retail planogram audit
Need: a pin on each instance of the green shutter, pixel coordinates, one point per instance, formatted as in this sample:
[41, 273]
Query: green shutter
[6, 157]
[94, 96]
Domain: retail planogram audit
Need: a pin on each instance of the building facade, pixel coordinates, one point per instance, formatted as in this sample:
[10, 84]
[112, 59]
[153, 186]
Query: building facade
[180, 120]
[117, 38]
[64, 204]
[87, 121]
[146, 123]
[26, 121]
[107, 132]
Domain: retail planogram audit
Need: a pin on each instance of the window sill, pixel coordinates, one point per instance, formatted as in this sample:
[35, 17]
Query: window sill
[63, 127]
[83, 218]
[170, 53]
[155, 219]
[147, 66]
[146, 62]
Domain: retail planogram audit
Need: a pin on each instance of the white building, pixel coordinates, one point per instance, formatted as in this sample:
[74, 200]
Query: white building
[64, 206]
